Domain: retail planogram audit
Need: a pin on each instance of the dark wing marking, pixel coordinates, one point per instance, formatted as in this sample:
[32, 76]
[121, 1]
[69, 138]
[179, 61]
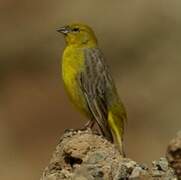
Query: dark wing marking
[93, 81]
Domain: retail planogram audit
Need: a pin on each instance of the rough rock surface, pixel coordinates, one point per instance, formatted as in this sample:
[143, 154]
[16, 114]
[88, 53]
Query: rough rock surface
[174, 154]
[82, 155]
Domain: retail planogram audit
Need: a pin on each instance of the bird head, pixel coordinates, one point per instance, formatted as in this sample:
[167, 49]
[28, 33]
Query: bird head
[78, 34]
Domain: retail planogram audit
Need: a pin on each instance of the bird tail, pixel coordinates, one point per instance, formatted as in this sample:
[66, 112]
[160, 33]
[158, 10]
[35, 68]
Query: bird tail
[117, 125]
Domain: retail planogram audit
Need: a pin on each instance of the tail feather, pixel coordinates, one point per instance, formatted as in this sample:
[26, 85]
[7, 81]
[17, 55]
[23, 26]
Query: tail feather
[116, 126]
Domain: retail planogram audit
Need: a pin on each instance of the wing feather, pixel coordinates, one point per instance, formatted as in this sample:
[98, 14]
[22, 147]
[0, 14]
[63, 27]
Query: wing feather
[93, 83]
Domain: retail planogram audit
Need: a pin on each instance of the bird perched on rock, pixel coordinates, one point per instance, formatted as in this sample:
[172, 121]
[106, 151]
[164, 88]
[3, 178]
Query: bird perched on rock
[89, 83]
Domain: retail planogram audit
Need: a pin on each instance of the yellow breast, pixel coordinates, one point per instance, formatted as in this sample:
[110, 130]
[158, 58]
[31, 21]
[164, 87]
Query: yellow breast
[72, 65]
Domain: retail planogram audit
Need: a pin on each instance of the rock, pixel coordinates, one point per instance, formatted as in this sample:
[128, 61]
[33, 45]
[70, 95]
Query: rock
[82, 155]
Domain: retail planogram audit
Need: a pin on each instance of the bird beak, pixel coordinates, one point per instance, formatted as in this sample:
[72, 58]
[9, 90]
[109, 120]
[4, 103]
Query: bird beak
[64, 30]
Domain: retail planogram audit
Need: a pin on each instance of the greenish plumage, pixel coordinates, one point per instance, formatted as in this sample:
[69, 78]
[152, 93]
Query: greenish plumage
[89, 83]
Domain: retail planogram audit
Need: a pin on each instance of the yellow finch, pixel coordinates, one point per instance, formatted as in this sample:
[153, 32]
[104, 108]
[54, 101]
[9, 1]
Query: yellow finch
[89, 83]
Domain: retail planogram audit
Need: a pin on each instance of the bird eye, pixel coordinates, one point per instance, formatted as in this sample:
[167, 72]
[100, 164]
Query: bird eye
[75, 29]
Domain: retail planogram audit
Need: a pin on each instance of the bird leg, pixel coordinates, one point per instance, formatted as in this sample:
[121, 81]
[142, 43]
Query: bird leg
[89, 124]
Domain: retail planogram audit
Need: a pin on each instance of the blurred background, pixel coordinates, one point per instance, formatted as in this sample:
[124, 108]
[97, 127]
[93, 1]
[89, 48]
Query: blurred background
[141, 41]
